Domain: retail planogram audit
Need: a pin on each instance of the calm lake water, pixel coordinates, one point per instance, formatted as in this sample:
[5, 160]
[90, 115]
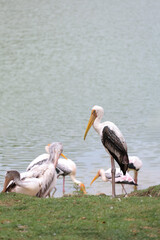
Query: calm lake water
[60, 58]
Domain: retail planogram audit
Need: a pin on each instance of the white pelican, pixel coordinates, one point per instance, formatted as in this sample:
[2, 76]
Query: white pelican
[134, 165]
[112, 140]
[38, 181]
[63, 168]
[120, 178]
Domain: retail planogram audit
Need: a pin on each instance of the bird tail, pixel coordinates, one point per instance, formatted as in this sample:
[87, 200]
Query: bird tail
[123, 161]
[124, 164]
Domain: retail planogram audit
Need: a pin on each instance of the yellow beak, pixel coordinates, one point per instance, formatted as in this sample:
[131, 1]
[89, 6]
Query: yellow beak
[61, 153]
[82, 188]
[64, 156]
[90, 122]
[57, 157]
[97, 176]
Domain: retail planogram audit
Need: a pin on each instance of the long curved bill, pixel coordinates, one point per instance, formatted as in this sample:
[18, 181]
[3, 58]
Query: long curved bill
[64, 156]
[90, 122]
[97, 176]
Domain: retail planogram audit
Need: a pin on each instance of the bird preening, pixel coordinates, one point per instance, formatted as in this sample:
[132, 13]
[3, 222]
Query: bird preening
[41, 175]
[63, 168]
[39, 180]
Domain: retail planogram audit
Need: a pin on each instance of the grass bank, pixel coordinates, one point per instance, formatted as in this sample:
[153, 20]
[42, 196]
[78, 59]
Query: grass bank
[81, 217]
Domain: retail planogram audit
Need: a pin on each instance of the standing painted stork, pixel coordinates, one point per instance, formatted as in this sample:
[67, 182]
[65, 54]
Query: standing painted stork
[112, 140]
[134, 165]
[39, 180]
[120, 178]
[63, 168]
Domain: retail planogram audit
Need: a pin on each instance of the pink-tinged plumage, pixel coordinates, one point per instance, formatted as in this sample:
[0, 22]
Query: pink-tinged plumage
[120, 178]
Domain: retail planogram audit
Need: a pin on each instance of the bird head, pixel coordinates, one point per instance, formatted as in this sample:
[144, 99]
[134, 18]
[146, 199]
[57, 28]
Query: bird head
[90, 122]
[55, 151]
[82, 188]
[97, 111]
[10, 175]
[97, 176]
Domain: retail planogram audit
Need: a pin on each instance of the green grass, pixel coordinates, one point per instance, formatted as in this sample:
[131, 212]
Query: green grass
[81, 217]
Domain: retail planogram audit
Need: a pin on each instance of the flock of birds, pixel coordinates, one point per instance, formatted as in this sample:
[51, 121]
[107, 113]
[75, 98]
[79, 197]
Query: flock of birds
[41, 175]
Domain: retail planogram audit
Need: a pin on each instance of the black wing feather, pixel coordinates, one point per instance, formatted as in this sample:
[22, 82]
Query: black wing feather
[115, 147]
[10, 187]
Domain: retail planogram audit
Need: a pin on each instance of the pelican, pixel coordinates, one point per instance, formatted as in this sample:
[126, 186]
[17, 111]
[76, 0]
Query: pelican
[112, 139]
[39, 180]
[134, 165]
[120, 178]
[63, 168]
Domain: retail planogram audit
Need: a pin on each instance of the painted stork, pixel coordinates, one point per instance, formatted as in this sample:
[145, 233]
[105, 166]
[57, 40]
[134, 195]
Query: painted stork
[135, 164]
[112, 140]
[39, 180]
[120, 178]
[63, 168]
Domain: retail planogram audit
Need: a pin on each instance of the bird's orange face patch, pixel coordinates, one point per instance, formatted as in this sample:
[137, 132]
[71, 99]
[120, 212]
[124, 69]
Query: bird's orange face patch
[82, 188]
[94, 113]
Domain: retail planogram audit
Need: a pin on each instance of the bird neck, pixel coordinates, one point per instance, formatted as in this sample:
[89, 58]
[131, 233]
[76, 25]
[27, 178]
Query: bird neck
[97, 125]
[103, 176]
[74, 179]
[17, 181]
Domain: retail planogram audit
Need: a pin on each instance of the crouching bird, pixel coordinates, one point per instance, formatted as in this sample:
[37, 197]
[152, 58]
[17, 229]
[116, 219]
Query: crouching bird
[112, 140]
[120, 178]
[39, 180]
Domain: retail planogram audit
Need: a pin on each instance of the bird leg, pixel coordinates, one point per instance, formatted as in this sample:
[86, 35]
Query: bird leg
[55, 189]
[113, 176]
[123, 189]
[135, 179]
[63, 184]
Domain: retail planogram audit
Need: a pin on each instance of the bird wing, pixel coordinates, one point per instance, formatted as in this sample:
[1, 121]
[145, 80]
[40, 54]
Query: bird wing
[29, 186]
[48, 179]
[63, 169]
[38, 160]
[108, 173]
[125, 179]
[24, 175]
[115, 147]
[46, 174]
[134, 163]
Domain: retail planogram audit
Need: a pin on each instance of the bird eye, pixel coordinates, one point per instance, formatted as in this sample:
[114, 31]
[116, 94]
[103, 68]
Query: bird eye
[94, 113]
